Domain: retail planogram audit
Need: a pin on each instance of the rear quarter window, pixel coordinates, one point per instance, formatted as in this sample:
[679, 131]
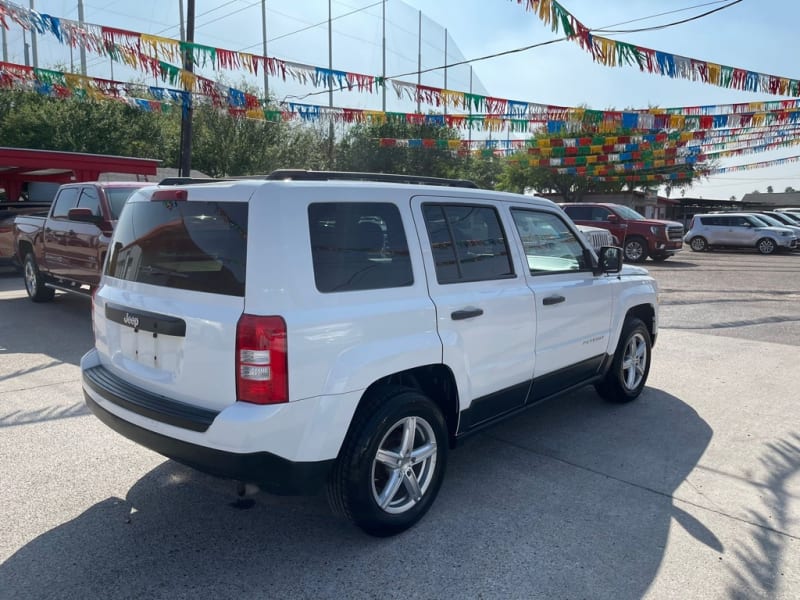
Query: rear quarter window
[198, 246]
[358, 246]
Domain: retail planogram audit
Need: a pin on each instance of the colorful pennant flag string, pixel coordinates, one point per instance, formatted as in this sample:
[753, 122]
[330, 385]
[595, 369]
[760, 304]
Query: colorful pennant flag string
[613, 53]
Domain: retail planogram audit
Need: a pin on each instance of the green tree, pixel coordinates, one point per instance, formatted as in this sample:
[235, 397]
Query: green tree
[225, 145]
[769, 189]
[360, 150]
[31, 120]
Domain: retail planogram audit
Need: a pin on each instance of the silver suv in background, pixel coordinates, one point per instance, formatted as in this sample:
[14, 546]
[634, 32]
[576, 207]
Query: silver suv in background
[737, 230]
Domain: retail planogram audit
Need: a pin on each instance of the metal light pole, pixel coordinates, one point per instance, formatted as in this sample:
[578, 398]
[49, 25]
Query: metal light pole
[445, 67]
[264, 38]
[186, 113]
[5, 44]
[83, 47]
[330, 86]
[419, 60]
[33, 45]
[383, 50]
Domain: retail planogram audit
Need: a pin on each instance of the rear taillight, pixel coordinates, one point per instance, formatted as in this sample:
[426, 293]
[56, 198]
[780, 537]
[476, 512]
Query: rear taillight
[261, 367]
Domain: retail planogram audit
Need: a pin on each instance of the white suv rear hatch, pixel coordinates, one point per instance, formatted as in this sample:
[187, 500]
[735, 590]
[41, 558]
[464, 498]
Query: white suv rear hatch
[153, 329]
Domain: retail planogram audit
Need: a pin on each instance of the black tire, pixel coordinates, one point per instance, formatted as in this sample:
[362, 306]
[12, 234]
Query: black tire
[698, 244]
[359, 476]
[627, 376]
[766, 246]
[635, 249]
[35, 282]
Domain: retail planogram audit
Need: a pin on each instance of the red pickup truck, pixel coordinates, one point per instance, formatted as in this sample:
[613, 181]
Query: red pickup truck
[66, 249]
[638, 236]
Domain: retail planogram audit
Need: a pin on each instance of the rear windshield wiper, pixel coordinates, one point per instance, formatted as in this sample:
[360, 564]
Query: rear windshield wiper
[150, 269]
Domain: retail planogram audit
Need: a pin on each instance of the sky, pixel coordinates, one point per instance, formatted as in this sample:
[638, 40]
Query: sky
[756, 36]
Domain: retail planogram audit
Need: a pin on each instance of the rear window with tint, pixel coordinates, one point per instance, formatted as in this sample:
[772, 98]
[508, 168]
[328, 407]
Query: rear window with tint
[358, 246]
[198, 246]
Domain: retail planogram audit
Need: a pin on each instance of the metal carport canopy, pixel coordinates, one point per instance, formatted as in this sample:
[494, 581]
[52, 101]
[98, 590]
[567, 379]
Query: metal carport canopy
[20, 165]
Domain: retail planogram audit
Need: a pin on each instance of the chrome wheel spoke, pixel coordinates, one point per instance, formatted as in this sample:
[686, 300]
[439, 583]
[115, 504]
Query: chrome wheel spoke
[409, 432]
[412, 485]
[390, 491]
[388, 458]
[423, 453]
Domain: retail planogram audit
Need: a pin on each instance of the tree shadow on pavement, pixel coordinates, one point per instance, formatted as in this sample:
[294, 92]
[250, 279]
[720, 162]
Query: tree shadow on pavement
[572, 499]
[765, 554]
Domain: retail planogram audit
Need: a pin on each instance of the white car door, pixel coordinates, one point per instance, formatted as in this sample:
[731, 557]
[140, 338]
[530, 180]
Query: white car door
[484, 307]
[573, 306]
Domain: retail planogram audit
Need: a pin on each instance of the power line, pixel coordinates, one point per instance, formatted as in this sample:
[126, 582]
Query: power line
[666, 25]
[669, 12]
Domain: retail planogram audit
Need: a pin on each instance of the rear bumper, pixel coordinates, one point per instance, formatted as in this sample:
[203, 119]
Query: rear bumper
[272, 473]
[286, 448]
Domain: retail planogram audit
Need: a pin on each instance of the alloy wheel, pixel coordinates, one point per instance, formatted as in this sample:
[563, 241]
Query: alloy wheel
[404, 465]
[634, 361]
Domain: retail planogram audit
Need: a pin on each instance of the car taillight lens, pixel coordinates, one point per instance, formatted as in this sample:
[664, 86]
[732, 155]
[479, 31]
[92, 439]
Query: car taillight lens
[261, 366]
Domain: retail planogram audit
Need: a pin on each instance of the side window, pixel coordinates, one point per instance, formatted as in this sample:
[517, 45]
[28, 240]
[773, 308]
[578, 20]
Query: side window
[600, 214]
[67, 199]
[358, 246]
[579, 213]
[89, 199]
[468, 243]
[550, 246]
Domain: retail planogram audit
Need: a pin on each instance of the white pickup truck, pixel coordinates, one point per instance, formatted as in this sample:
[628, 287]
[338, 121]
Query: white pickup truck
[315, 329]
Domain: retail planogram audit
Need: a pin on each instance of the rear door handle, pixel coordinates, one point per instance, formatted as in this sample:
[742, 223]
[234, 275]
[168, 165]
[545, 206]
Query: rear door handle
[553, 300]
[466, 313]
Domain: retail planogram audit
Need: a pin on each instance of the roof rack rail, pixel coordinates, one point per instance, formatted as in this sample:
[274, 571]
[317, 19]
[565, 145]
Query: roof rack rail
[188, 180]
[304, 175]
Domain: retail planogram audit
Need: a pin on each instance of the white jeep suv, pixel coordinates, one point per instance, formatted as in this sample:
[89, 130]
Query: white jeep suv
[310, 329]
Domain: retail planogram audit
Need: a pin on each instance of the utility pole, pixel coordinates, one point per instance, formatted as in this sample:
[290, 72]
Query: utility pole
[33, 45]
[183, 26]
[419, 60]
[330, 86]
[26, 49]
[445, 67]
[383, 49]
[264, 38]
[83, 47]
[5, 44]
[187, 111]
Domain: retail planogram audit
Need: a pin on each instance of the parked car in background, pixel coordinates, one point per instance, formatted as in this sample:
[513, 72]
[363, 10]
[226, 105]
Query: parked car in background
[792, 213]
[737, 230]
[9, 211]
[785, 218]
[597, 236]
[639, 237]
[776, 222]
[65, 250]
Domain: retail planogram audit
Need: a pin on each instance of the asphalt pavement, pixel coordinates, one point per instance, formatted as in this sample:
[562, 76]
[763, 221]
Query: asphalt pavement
[692, 491]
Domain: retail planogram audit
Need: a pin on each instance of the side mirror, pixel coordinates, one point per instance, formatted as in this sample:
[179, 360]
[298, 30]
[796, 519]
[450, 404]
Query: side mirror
[612, 219]
[609, 260]
[83, 215]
